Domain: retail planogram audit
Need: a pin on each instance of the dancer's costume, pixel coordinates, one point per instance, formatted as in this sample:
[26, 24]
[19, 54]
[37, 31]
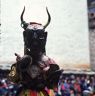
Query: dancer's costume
[35, 71]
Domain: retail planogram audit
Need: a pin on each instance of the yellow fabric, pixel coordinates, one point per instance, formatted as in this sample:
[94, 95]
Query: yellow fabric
[41, 94]
[25, 93]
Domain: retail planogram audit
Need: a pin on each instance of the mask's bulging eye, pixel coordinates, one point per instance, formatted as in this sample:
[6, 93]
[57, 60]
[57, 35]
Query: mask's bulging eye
[41, 38]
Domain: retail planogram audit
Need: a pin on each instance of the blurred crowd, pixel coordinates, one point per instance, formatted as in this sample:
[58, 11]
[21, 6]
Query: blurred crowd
[69, 85]
[7, 88]
[76, 85]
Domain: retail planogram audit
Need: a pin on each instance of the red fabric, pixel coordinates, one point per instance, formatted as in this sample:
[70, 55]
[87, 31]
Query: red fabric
[77, 87]
[33, 93]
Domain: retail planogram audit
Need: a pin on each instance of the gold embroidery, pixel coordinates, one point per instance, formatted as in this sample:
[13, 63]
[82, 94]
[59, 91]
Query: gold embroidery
[13, 71]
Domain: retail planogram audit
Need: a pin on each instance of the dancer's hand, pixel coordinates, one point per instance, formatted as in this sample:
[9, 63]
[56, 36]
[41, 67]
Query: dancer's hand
[18, 57]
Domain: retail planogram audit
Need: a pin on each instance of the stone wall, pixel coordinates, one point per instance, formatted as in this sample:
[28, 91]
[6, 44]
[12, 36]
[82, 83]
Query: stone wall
[91, 19]
[92, 48]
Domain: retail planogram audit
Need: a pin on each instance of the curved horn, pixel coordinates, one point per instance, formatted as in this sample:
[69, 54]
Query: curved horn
[22, 15]
[23, 23]
[49, 18]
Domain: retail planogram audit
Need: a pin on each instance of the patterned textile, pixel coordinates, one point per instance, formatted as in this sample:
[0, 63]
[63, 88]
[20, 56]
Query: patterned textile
[33, 93]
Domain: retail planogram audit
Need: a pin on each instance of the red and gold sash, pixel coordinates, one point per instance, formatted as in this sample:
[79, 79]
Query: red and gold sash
[33, 93]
